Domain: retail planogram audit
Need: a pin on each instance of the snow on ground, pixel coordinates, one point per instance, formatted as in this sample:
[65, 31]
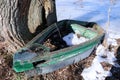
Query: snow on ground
[90, 10]
[96, 71]
[95, 11]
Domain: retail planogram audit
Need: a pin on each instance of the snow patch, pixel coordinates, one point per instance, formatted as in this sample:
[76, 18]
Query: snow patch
[97, 71]
[72, 39]
[114, 35]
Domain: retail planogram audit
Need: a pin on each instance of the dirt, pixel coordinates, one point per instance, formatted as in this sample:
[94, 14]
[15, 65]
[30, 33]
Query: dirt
[6, 72]
[118, 42]
[106, 66]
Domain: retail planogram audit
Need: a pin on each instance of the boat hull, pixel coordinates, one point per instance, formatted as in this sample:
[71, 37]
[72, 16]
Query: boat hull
[51, 61]
[59, 65]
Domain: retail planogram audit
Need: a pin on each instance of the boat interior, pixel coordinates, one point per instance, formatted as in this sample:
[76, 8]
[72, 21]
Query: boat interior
[54, 40]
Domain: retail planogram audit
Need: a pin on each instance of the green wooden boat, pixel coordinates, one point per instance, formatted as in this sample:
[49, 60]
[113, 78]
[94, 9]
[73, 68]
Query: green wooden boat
[48, 52]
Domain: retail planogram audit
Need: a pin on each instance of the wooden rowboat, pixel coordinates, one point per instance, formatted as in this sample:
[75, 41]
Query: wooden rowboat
[48, 51]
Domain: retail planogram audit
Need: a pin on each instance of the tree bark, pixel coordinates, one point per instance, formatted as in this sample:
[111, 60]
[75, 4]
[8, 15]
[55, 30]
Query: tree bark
[21, 20]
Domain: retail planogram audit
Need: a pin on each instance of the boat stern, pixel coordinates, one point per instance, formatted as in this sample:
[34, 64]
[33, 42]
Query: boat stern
[21, 61]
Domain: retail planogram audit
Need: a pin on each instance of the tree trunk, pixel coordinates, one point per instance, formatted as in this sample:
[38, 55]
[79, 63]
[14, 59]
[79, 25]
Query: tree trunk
[21, 20]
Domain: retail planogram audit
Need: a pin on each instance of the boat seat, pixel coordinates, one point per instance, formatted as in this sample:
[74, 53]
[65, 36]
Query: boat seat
[78, 29]
[86, 32]
[90, 34]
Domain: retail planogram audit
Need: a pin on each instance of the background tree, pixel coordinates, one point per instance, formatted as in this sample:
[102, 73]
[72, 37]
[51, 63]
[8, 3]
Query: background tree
[21, 20]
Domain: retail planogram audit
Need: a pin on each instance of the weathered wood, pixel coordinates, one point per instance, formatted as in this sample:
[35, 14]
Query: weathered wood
[20, 19]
